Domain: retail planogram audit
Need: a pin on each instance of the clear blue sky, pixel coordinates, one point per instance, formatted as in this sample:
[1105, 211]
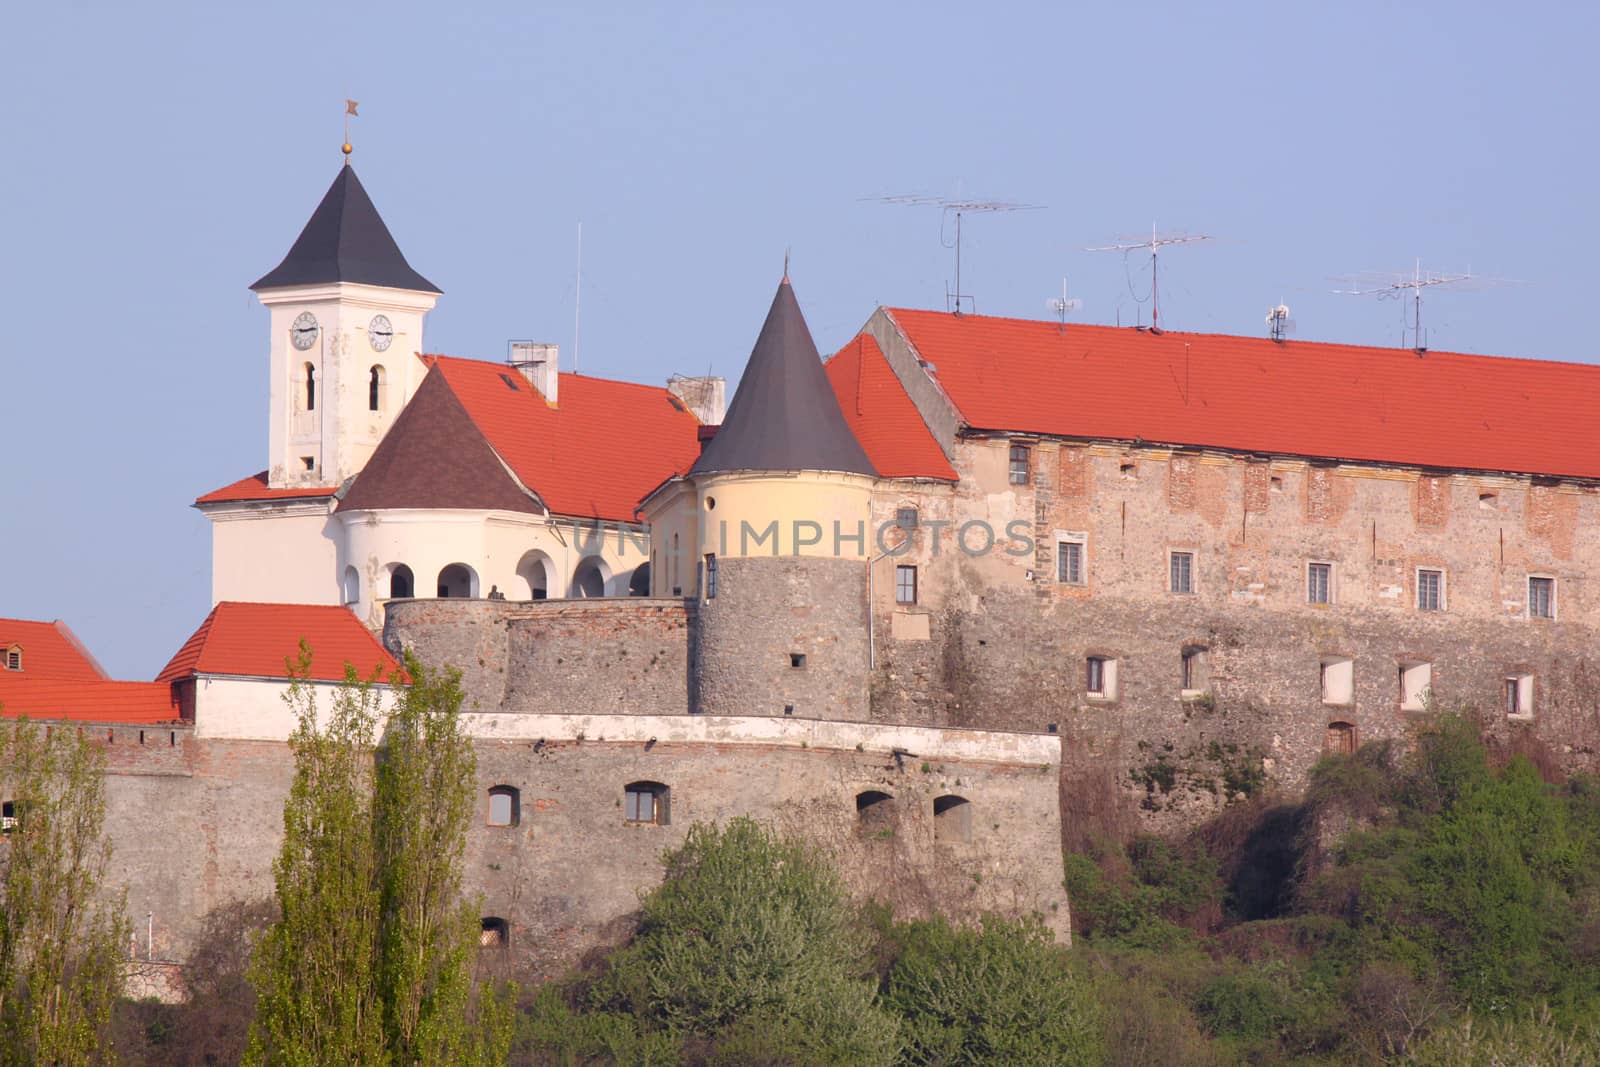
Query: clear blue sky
[160, 157]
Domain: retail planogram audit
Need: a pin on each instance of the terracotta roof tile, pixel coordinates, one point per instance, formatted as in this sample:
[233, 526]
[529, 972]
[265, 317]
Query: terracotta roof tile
[240, 638]
[88, 701]
[1442, 409]
[882, 416]
[49, 650]
[596, 453]
[255, 488]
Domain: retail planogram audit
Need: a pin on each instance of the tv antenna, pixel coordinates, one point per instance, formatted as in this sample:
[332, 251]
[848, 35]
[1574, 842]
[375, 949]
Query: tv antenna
[1062, 306]
[958, 208]
[1394, 285]
[1279, 324]
[1155, 244]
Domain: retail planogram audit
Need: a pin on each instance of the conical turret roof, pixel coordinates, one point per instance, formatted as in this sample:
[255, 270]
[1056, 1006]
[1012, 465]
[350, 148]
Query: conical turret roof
[784, 416]
[346, 241]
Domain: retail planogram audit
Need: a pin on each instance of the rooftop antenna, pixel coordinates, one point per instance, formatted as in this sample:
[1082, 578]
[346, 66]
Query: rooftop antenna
[1279, 324]
[1062, 306]
[1155, 244]
[1393, 285]
[577, 302]
[958, 208]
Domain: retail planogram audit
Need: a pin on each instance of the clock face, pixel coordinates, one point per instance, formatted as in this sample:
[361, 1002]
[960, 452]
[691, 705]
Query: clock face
[380, 333]
[304, 331]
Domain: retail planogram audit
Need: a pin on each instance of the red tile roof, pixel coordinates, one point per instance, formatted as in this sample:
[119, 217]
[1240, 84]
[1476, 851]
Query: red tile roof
[596, 453]
[49, 650]
[249, 639]
[88, 701]
[255, 488]
[1441, 409]
[882, 416]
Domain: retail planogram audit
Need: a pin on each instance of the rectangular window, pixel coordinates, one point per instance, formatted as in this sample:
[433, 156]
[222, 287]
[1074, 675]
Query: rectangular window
[1181, 572]
[1338, 680]
[1319, 583]
[1094, 682]
[1193, 677]
[1020, 466]
[1416, 681]
[1069, 562]
[641, 805]
[1519, 696]
[1541, 598]
[1430, 590]
[906, 518]
[905, 584]
[711, 576]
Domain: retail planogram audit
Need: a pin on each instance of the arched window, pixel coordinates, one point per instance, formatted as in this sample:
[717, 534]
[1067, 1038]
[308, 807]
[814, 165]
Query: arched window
[952, 819]
[352, 585]
[494, 932]
[505, 806]
[311, 388]
[375, 389]
[457, 580]
[1341, 739]
[647, 802]
[402, 586]
[590, 578]
[535, 569]
[875, 813]
[639, 584]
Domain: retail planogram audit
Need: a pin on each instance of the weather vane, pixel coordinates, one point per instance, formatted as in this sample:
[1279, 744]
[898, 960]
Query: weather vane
[349, 109]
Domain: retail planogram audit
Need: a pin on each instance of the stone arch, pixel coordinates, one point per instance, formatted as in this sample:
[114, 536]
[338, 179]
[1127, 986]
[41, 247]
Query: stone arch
[350, 587]
[536, 570]
[592, 578]
[639, 584]
[402, 583]
[876, 812]
[505, 806]
[458, 580]
[952, 819]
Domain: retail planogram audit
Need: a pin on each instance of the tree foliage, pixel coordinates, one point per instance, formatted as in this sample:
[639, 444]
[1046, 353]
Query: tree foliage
[60, 942]
[372, 957]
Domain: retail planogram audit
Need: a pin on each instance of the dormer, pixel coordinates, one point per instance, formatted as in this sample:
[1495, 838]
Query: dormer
[13, 657]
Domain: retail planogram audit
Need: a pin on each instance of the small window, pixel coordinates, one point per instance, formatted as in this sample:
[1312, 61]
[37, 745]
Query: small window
[309, 462]
[646, 803]
[1519, 696]
[1069, 562]
[711, 576]
[952, 819]
[8, 816]
[1416, 682]
[352, 586]
[905, 584]
[1430, 590]
[510, 383]
[875, 812]
[375, 389]
[1100, 678]
[1129, 470]
[1340, 739]
[1541, 598]
[797, 659]
[505, 806]
[1194, 677]
[1276, 484]
[1020, 464]
[401, 584]
[1181, 572]
[1319, 583]
[906, 518]
[14, 658]
[494, 932]
[311, 387]
[1488, 501]
[1338, 678]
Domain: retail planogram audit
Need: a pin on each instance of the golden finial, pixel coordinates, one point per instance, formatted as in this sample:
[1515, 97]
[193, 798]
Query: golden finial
[349, 109]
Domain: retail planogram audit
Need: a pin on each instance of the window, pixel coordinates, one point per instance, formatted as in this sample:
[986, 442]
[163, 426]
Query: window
[14, 658]
[1488, 501]
[1430, 590]
[905, 584]
[1319, 583]
[1338, 677]
[646, 802]
[456, 580]
[352, 585]
[1194, 677]
[1069, 562]
[311, 387]
[494, 932]
[875, 813]
[1100, 678]
[1541, 598]
[309, 462]
[375, 389]
[8, 816]
[1019, 464]
[797, 659]
[401, 585]
[1181, 572]
[952, 819]
[1416, 681]
[505, 806]
[711, 576]
[906, 518]
[1340, 739]
[1519, 696]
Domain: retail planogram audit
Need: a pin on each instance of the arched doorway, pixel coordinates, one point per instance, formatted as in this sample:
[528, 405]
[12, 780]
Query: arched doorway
[457, 580]
[639, 584]
[590, 579]
[402, 586]
[535, 570]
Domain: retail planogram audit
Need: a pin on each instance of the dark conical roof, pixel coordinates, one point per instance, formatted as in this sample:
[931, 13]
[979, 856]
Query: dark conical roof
[784, 416]
[346, 241]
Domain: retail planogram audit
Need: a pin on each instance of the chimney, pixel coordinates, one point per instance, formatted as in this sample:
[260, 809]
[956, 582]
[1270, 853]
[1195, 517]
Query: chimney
[539, 364]
[706, 397]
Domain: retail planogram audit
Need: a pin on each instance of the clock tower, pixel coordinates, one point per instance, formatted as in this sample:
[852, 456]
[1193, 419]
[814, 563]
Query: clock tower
[346, 320]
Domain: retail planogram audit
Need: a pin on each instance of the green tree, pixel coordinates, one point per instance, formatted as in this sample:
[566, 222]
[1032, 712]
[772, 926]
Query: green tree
[371, 960]
[60, 943]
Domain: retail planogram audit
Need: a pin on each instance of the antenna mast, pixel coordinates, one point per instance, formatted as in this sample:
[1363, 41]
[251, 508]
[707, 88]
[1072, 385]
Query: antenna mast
[1063, 305]
[1156, 242]
[577, 302]
[1395, 286]
[959, 208]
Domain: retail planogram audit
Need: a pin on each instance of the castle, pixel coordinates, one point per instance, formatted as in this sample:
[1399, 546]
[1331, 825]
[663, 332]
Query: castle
[967, 589]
